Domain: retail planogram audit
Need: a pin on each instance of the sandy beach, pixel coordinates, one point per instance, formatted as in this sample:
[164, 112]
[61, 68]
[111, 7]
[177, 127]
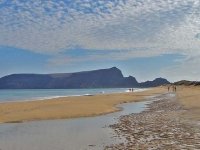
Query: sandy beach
[172, 122]
[189, 97]
[69, 107]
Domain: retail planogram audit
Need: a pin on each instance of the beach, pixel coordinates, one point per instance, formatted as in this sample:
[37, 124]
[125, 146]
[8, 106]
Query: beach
[156, 119]
[91, 133]
[171, 122]
[189, 97]
[69, 107]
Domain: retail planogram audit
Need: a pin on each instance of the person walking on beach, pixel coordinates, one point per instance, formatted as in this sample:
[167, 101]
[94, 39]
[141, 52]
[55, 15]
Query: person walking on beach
[173, 88]
[168, 88]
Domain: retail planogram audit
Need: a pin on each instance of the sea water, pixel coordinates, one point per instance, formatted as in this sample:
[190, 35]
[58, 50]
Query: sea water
[89, 133]
[41, 94]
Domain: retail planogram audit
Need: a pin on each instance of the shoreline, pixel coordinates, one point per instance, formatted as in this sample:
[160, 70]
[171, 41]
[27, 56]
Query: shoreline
[70, 107]
[66, 96]
[90, 132]
[160, 126]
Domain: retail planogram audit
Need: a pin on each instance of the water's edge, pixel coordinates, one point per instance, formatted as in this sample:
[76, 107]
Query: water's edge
[44, 94]
[77, 133]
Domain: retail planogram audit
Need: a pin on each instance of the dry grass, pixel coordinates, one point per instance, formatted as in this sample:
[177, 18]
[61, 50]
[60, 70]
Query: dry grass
[69, 107]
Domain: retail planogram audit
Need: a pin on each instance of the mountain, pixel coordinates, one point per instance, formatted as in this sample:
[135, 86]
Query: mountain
[103, 78]
[154, 83]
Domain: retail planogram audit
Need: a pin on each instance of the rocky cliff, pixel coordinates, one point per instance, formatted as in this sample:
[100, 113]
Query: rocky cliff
[103, 78]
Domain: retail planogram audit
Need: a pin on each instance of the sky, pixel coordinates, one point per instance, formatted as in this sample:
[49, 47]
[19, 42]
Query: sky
[143, 38]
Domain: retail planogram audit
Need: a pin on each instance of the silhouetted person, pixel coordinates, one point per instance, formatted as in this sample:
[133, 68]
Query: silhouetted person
[168, 88]
[174, 88]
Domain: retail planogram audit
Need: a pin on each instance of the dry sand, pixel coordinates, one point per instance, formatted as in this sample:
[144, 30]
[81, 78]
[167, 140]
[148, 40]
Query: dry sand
[69, 107]
[189, 97]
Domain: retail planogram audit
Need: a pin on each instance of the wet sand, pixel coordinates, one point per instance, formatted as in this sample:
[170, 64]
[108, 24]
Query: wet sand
[69, 107]
[169, 123]
[88, 133]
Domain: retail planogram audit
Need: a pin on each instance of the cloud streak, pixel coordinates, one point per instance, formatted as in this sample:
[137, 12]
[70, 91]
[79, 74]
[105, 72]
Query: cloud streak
[186, 69]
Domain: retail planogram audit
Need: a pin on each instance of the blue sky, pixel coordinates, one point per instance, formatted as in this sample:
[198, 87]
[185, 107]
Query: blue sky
[143, 38]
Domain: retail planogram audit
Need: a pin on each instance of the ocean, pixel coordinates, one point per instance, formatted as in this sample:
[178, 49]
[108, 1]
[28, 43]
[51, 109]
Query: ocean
[41, 94]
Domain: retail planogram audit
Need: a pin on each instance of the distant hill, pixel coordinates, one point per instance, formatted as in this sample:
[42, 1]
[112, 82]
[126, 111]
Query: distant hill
[154, 83]
[103, 78]
[187, 83]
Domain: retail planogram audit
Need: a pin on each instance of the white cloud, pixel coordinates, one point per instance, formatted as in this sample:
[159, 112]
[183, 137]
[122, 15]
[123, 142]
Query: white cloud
[123, 28]
[49, 26]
